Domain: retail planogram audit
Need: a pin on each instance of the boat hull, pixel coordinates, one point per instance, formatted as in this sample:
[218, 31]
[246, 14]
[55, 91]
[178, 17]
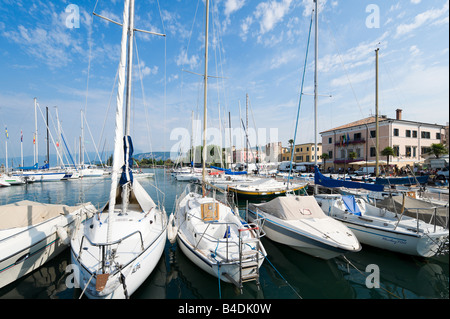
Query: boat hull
[282, 233]
[25, 250]
[135, 272]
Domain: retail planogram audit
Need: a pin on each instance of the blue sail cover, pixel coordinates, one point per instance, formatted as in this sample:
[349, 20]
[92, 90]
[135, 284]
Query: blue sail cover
[28, 168]
[406, 180]
[319, 179]
[128, 155]
[229, 171]
[350, 203]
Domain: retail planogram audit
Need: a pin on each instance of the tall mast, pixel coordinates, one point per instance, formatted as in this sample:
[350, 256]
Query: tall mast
[376, 114]
[316, 59]
[205, 95]
[118, 135]
[36, 156]
[48, 141]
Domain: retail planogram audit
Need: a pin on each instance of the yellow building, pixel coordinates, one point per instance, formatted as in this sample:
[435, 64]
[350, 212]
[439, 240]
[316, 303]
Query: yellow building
[303, 153]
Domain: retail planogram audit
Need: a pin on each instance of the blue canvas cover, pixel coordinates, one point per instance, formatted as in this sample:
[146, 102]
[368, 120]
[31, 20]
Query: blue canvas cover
[350, 203]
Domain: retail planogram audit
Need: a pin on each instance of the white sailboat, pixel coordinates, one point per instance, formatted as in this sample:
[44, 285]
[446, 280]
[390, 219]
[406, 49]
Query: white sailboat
[379, 227]
[117, 250]
[210, 233]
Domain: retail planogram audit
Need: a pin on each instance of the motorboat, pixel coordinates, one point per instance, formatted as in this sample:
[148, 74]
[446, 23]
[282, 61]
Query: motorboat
[379, 227]
[266, 188]
[299, 222]
[32, 233]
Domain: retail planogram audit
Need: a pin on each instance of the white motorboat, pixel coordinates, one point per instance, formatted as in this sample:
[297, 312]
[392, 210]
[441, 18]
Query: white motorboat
[216, 239]
[13, 180]
[263, 188]
[42, 175]
[118, 249]
[32, 233]
[299, 222]
[384, 229]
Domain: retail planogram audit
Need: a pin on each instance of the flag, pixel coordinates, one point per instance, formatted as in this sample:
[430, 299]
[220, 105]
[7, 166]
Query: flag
[34, 139]
[348, 139]
[21, 136]
[6, 133]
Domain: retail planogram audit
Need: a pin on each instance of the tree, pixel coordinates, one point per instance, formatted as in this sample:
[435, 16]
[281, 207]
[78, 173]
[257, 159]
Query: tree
[324, 158]
[438, 150]
[388, 151]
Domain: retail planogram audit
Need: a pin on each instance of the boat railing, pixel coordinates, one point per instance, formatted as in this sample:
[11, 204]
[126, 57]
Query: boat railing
[433, 220]
[103, 247]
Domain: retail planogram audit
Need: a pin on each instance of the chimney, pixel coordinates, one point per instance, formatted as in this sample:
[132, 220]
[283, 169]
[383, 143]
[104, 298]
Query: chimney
[399, 114]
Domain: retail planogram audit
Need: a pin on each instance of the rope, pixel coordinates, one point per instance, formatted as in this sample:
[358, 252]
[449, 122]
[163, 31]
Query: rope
[300, 101]
[82, 293]
[283, 278]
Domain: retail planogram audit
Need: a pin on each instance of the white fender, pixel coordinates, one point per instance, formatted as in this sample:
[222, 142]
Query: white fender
[62, 234]
[171, 230]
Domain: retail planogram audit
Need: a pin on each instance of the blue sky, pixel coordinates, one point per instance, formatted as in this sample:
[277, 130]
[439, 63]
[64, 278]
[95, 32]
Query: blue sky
[256, 48]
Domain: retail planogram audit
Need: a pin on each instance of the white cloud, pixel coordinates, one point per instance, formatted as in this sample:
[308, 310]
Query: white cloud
[415, 51]
[270, 13]
[183, 59]
[421, 19]
[233, 5]
[415, 1]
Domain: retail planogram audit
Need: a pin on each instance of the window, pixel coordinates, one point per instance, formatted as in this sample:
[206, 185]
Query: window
[330, 154]
[396, 150]
[425, 134]
[438, 136]
[307, 158]
[342, 153]
[414, 148]
[373, 152]
[414, 134]
[297, 158]
[396, 132]
[312, 148]
[357, 136]
[425, 150]
[330, 140]
[408, 133]
[297, 150]
[318, 149]
[301, 158]
[301, 149]
[358, 152]
[307, 149]
[408, 151]
[373, 134]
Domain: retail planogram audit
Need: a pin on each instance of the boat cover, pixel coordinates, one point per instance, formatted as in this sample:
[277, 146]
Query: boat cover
[319, 179]
[27, 213]
[350, 203]
[291, 207]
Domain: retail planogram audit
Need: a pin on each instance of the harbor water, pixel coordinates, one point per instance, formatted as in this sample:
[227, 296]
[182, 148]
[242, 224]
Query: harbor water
[285, 274]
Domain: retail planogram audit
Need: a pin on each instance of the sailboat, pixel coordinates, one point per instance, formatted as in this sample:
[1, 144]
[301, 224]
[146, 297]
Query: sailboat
[210, 233]
[117, 249]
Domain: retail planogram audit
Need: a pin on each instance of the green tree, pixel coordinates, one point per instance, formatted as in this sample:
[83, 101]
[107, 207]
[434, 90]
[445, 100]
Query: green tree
[324, 158]
[438, 150]
[388, 151]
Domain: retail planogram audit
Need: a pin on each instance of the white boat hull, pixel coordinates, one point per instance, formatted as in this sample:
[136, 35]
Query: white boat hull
[136, 272]
[380, 228]
[25, 249]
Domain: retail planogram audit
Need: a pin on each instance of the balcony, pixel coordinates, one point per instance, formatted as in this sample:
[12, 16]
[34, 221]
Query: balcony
[358, 141]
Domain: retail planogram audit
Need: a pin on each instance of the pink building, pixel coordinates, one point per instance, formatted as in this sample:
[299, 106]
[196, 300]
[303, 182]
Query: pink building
[410, 140]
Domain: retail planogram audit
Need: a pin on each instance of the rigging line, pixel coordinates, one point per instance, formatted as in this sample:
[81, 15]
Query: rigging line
[146, 118]
[300, 100]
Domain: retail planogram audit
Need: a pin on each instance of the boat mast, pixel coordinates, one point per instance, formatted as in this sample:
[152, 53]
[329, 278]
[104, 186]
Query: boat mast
[118, 135]
[205, 98]
[376, 114]
[126, 187]
[36, 158]
[316, 59]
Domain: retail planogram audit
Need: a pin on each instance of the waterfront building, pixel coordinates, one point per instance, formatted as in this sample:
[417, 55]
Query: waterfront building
[410, 140]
